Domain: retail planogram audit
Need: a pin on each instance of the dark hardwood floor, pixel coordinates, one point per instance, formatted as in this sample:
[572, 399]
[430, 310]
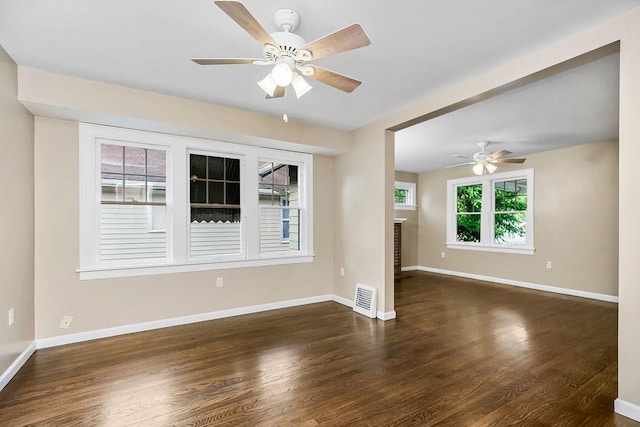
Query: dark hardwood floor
[460, 353]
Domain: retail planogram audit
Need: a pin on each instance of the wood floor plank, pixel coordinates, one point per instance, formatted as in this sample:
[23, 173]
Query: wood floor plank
[461, 352]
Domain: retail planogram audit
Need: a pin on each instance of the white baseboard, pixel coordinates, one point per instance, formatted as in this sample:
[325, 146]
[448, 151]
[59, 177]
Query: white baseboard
[627, 409]
[382, 315]
[6, 376]
[545, 288]
[176, 321]
[343, 301]
[411, 268]
[386, 315]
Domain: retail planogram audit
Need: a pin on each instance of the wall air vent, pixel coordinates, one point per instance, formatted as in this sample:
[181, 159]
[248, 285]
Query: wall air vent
[364, 301]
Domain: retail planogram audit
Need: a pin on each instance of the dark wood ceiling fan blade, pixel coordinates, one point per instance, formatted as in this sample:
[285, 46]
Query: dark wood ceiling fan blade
[331, 78]
[245, 19]
[222, 61]
[508, 160]
[499, 154]
[348, 38]
[278, 93]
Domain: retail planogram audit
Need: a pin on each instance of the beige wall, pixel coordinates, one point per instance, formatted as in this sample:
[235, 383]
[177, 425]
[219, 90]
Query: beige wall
[55, 95]
[16, 218]
[576, 222]
[358, 242]
[410, 226]
[97, 304]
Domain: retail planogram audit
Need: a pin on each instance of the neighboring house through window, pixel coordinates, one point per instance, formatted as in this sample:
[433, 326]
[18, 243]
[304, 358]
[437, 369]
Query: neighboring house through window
[153, 203]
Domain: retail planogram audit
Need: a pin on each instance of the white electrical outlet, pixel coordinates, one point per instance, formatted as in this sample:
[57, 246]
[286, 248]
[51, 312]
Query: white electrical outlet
[342, 271]
[12, 319]
[548, 265]
[65, 322]
[219, 282]
[441, 254]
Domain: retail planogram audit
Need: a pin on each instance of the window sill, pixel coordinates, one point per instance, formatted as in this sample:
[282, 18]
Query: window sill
[130, 271]
[523, 250]
[404, 207]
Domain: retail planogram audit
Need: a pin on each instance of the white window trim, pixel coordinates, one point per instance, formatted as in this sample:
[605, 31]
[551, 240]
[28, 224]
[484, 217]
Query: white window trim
[487, 216]
[411, 195]
[177, 198]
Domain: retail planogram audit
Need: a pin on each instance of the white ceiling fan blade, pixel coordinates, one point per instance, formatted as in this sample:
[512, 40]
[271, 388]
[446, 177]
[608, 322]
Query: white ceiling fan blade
[460, 156]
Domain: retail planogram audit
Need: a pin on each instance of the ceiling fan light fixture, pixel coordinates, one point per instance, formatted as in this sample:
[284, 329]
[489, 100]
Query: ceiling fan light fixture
[300, 85]
[491, 168]
[478, 168]
[268, 85]
[282, 74]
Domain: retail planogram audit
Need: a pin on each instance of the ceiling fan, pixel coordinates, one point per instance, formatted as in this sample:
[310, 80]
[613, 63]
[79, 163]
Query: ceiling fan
[485, 162]
[288, 53]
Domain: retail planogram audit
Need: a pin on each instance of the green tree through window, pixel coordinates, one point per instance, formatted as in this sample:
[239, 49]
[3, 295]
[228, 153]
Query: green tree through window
[510, 212]
[468, 213]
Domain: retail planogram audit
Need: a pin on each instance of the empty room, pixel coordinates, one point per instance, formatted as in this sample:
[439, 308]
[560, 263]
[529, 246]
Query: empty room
[331, 213]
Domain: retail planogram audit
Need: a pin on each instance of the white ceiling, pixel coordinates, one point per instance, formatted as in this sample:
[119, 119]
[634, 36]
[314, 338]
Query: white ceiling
[418, 47]
[578, 106]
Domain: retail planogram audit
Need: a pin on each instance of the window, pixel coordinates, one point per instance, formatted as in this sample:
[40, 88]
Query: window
[215, 209]
[468, 212]
[404, 194]
[278, 195]
[132, 188]
[153, 203]
[491, 212]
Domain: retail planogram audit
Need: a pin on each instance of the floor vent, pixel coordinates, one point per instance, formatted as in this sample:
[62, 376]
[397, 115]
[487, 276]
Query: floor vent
[365, 300]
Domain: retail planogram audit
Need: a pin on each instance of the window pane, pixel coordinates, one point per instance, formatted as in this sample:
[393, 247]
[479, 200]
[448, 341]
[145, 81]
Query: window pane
[156, 190]
[216, 168]
[112, 186]
[198, 192]
[111, 158]
[469, 198]
[265, 195]
[510, 228]
[233, 170]
[134, 188]
[468, 227]
[156, 163]
[134, 160]
[233, 193]
[216, 193]
[198, 166]
[400, 195]
[511, 195]
[278, 234]
[125, 233]
[215, 231]
[265, 172]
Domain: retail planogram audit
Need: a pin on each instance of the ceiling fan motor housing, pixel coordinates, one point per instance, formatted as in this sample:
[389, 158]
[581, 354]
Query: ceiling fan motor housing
[286, 20]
